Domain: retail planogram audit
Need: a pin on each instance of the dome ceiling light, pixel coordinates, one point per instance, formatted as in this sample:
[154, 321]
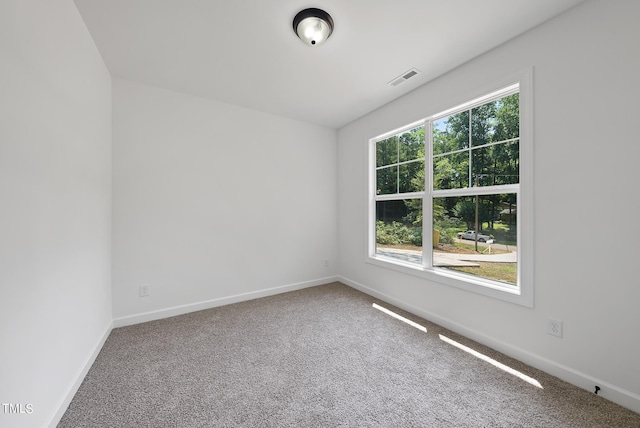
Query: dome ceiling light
[313, 26]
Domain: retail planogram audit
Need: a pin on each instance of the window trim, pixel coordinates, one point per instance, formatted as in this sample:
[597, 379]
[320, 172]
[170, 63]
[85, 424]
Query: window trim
[523, 293]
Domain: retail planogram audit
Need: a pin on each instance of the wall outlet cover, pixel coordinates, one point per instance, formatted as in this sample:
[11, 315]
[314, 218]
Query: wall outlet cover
[554, 328]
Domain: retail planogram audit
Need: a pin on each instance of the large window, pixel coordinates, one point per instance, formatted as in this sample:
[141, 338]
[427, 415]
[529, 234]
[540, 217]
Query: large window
[448, 200]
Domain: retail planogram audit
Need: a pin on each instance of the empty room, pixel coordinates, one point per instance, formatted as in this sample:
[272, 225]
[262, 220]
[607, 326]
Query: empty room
[337, 213]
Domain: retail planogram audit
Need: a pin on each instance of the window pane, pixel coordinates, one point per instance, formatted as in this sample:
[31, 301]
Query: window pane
[496, 121]
[451, 171]
[412, 177]
[483, 121]
[412, 144]
[387, 180]
[399, 230]
[387, 151]
[451, 133]
[496, 165]
[508, 118]
[494, 254]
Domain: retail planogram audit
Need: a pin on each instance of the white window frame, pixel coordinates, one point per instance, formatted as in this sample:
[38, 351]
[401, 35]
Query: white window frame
[522, 293]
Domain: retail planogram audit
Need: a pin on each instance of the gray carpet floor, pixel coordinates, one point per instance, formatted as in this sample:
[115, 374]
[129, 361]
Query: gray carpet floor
[318, 357]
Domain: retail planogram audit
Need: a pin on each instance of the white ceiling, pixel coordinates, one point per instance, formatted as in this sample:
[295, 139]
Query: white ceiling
[244, 52]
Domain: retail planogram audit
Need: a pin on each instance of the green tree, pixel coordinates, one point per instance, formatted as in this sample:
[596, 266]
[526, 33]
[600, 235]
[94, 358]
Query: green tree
[465, 210]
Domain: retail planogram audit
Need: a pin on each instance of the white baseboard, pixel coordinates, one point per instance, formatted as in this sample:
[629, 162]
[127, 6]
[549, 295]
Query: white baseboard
[608, 391]
[208, 304]
[73, 388]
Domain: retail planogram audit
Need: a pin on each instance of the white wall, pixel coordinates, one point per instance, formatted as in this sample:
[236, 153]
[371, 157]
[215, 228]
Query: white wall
[586, 68]
[55, 206]
[213, 201]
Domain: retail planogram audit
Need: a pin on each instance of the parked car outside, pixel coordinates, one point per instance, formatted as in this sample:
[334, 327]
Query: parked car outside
[471, 235]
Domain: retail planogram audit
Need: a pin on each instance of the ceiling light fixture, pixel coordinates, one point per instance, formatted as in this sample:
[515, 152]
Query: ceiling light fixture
[313, 26]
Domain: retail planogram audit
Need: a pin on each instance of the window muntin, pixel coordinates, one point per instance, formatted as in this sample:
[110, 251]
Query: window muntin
[473, 152]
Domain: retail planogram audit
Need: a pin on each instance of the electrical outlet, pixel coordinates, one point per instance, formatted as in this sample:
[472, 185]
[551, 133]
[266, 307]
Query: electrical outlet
[144, 290]
[554, 328]
[326, 263]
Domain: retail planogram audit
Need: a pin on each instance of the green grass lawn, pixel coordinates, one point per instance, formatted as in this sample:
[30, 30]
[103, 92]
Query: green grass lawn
[507, 272]
[503, 235]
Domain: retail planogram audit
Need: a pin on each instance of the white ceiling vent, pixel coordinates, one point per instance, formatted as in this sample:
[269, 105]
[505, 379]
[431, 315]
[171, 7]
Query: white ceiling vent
[404, 77]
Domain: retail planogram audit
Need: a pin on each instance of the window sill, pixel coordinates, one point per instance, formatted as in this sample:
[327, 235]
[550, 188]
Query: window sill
[493, 289]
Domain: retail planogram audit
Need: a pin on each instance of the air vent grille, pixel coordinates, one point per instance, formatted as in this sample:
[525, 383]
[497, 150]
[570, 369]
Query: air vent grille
[404, 77]
[410, 74]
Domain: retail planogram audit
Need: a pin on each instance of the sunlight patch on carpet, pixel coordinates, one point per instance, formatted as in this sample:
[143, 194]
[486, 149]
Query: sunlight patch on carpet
[491, 361]
[400, 317]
